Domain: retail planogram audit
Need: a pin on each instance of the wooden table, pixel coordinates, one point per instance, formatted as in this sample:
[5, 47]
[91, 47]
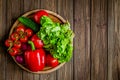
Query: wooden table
[96, 24]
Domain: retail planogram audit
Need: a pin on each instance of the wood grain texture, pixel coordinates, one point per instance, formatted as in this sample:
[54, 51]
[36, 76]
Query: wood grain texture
[99, 40]
[1, 16]
[82, 40]
[96, 24]
[51, 5]
[30, 5]
[114, 40]
[65, 9]
[2, 38]
[12, 72]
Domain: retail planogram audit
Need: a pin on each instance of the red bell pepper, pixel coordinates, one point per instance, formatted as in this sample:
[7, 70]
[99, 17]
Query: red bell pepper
[35, 58]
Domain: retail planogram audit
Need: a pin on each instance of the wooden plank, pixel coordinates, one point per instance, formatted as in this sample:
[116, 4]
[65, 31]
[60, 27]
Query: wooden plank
[2, 34]
[1, 17]
[82, 40]
[13, 72]
[65, 9]
[49, 5]
[30, 5]
[99, 40]
[114, 40]
[37, 5]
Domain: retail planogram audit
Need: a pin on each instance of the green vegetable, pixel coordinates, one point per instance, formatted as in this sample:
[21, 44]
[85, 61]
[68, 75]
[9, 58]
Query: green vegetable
[57, 38]
[29, 23]
[31, 44]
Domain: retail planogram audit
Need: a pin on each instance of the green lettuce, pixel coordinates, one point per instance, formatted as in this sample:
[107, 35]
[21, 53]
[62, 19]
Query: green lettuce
[57, 38]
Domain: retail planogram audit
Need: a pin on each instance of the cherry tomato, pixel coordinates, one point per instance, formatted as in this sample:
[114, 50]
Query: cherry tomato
[38, 15]
[17, 44]
[29, 32]
[50, 61]
[24, 38]
[20, 29]
[8, 43]
[37, 42]
[13, 51]
[14, 36]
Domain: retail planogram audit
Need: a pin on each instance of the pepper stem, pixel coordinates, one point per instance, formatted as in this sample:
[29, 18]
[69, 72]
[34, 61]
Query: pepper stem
[32, 45]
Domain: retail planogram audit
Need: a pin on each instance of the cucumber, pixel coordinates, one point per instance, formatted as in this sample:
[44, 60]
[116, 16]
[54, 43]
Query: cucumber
[29, 23]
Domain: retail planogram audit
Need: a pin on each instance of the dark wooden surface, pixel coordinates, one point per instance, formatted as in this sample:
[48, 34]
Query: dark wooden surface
[96, 24]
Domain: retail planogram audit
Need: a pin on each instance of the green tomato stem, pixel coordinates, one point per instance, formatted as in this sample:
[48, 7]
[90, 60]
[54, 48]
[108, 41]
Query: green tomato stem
[11, 44]
[32, 45]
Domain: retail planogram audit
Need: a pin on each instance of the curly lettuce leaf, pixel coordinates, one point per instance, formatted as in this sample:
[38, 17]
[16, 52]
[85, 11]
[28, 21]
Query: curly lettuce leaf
[57, 38]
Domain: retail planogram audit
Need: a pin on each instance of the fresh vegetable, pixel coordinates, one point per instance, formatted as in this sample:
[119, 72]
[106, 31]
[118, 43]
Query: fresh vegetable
[17, 44]
[29, 32]
[25, 47]
[14, 36]
[29, 23]
[20, 29]
[19, 59]
[57, 38]
[38, 15]
[8, 43]
[46, 21]
[28, 41]
[50, 61]
[13, 51]
[35, 58]
[24, 38]
[37, 42]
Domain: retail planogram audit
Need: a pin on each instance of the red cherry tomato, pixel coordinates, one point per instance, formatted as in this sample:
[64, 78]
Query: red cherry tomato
[8, 43]
[37, 42]
[13, 51]
[29, 32]
[20, 29]
[24, 38]
[50, 61]
[14, 36]
[38, 15]
[17, 44]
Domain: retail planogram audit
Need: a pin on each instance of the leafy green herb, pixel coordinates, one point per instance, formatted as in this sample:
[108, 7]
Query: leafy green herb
[57, 38]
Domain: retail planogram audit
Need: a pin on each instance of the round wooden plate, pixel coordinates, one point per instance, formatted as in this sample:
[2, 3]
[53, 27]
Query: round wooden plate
[56, 18]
